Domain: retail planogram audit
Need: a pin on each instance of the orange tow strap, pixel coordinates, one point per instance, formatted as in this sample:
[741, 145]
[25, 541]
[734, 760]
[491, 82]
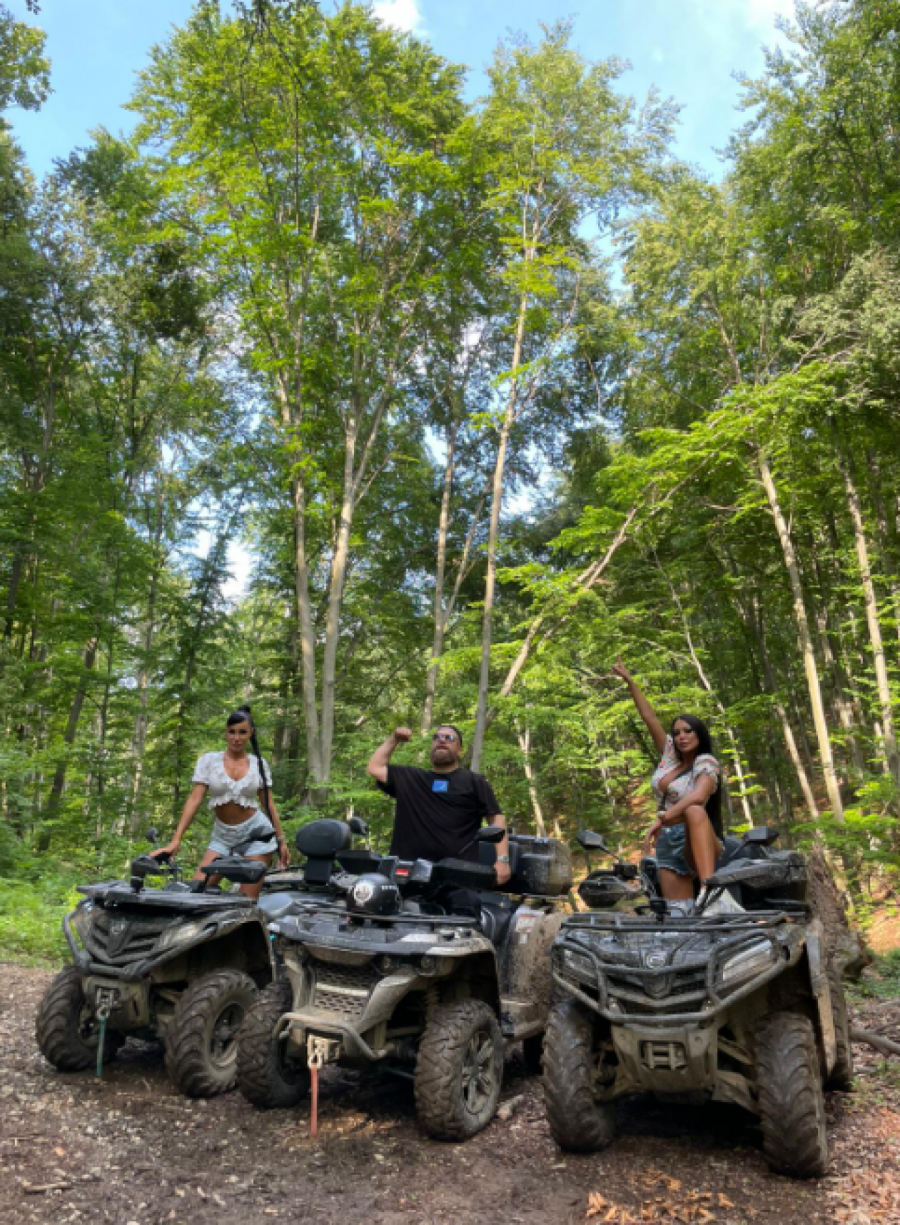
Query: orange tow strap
[314, 1114]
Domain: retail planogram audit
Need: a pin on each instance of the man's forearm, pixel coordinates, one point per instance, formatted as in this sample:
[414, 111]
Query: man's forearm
[503, 844]
[381, 758]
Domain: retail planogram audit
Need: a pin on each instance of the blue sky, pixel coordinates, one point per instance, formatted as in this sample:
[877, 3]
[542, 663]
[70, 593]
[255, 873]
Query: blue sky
[689, 49]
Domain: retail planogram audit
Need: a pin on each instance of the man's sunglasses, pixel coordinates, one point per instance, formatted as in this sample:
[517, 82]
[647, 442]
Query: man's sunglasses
[448, 736]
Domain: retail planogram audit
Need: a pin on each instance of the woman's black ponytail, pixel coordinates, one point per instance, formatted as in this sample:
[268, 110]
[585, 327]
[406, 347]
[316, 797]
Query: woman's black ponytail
[243, 715]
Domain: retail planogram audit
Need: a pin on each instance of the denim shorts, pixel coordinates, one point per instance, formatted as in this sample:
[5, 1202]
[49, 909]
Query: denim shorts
[670, 850]
[255, 836]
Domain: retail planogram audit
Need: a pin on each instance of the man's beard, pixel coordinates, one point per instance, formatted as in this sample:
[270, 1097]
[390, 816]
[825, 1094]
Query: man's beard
[441, 757]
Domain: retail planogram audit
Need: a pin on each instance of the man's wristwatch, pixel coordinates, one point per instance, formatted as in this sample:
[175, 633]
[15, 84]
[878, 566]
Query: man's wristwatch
[502, 859]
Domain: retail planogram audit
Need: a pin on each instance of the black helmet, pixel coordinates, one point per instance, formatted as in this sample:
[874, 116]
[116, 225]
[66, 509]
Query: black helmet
[374, 894]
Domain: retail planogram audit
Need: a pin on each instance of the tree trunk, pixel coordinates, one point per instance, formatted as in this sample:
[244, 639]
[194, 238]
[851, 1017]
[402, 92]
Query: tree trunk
[524, 739]
[805, 639]
[54, 800]
[337, 579]
[892, 760]
[509, 417]
[439, 610]
[754, 620]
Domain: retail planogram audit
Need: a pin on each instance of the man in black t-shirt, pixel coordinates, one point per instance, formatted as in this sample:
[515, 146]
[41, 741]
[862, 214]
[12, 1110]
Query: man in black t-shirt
[440, 810]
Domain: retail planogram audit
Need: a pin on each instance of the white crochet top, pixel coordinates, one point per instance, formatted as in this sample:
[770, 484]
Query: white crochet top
[210, 770]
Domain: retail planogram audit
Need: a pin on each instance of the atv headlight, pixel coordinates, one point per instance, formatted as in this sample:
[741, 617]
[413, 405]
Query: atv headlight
[752, 959]
[578, 965]
[182, 934]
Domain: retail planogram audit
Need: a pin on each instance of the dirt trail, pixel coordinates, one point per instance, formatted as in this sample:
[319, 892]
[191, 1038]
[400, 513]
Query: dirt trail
[130, 1150]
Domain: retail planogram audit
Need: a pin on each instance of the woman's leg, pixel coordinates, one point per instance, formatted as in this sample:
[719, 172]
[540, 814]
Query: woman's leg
[253, 891]
[702, 847]
[208, 858]
[675, 886]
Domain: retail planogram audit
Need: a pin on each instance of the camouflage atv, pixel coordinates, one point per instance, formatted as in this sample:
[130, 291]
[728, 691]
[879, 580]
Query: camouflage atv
[385, 970]
[738, 1006]
[176, 963]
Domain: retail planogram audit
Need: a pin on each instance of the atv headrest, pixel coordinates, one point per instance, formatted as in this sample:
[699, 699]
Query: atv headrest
[324, 838]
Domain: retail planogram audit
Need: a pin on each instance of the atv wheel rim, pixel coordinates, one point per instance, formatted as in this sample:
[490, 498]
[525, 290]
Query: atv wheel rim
[223, 1040]
[478, 1072]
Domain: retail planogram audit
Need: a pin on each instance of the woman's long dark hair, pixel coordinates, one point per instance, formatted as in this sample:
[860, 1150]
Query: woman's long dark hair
[705, 745]
[243, 715]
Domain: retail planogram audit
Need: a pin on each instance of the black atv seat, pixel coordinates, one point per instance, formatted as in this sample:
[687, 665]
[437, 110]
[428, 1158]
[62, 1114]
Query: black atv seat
[495, 920]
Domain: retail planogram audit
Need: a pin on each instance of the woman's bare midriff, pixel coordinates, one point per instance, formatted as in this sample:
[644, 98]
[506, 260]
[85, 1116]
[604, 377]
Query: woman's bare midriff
[233, 814]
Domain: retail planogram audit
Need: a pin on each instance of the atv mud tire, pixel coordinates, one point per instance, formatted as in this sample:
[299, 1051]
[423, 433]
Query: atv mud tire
[791, 1101]
[201, 1038]
[842, 1073]
[578, 1122]
[263, 1076]
[459, 1070]
[67, 1030]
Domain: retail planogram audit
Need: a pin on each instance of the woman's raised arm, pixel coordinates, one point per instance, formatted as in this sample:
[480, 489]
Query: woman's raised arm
[644, 709]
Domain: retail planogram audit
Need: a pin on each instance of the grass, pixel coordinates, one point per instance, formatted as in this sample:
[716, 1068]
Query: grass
[31, 915]
[880, 981]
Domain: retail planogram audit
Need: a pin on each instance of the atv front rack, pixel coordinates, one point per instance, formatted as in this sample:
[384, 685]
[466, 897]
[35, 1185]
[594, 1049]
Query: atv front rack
[659, 983]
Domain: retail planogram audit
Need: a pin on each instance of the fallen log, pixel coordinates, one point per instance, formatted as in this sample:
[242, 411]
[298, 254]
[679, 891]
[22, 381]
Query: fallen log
[880, 1043]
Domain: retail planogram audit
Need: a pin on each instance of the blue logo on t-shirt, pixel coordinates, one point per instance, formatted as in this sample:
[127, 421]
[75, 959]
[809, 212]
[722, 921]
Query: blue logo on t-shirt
[440, 784]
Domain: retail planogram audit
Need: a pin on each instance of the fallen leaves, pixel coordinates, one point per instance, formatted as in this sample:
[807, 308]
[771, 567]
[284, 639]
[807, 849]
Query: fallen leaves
[677, 1204]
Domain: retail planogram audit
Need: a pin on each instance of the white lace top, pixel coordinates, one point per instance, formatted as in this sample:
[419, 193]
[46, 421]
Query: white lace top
[210, 770]
[679, 787]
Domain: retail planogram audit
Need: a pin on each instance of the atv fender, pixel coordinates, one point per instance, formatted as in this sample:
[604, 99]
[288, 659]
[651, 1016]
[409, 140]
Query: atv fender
[818, 981]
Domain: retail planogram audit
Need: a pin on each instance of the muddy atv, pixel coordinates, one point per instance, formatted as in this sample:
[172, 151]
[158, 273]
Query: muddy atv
[177, 963]
[729, 1004]
[397, 970]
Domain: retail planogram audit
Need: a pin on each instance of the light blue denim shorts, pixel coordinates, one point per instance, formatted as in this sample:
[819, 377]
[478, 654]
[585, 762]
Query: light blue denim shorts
[670, 850]
[255, 836]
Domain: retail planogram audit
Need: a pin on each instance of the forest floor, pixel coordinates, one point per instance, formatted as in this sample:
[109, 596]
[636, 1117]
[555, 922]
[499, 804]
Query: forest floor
[130, 1150]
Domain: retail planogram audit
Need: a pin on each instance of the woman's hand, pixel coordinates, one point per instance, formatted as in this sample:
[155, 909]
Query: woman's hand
[619, 670]
[651, 836]
[172, 849]
[284, 853]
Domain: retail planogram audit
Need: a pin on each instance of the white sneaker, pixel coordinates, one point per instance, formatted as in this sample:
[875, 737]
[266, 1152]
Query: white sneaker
[682, 909]
[724, 904]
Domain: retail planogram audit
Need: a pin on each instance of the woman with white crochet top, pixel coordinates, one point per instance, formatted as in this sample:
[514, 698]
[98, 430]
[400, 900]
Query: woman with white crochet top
[688, 827]
[239, 792]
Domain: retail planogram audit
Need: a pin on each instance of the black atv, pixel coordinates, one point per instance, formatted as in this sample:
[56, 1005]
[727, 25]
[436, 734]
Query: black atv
[733, 1003]
[178, 963]
[392, 966]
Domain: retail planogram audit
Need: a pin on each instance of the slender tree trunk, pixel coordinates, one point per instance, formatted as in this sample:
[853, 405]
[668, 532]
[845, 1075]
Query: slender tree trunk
[892, 760]
[303, 602]
[524, 738]
[439, 610]
[54, 800]
[509, 417]
[337, 579]
[842, 705]
[805, 639]
[754, 620]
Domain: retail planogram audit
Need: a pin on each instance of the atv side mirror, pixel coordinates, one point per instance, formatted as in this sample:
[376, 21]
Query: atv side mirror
[491, 834]
[590, 841]
[153, 835]
[358, 826]
[761, 835]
